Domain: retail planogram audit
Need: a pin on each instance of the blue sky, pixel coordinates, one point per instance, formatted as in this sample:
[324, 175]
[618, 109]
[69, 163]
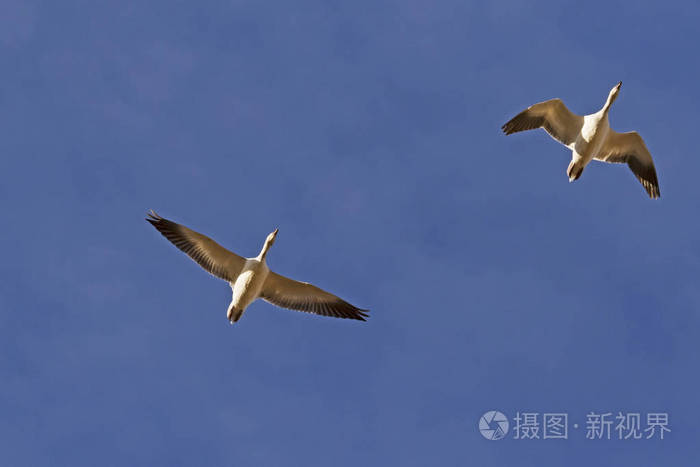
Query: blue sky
[369, 133]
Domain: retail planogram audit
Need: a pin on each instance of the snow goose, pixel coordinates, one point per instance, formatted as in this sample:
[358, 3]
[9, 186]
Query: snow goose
[589, 137]
[250, 278]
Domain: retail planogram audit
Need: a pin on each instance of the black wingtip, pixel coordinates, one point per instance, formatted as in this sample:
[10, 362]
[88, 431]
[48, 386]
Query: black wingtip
[510, 126]
[153, 217]
[362, 315]
[654, 192]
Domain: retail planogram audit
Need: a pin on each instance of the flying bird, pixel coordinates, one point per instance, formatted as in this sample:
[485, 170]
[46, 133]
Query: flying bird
[589, 137]
[250, 278]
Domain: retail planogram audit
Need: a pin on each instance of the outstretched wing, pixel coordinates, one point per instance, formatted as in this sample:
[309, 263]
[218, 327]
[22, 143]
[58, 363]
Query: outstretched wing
[552, 115]
[302, 296]
[216, 259]
[629, 148]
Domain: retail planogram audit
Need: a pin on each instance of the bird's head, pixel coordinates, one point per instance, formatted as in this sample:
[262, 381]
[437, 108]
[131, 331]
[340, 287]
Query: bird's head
[614, 92]
[271, 238]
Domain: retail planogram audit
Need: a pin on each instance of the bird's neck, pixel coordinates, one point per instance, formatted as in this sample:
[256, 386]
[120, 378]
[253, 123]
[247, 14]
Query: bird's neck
[264, 251]
[608, 103]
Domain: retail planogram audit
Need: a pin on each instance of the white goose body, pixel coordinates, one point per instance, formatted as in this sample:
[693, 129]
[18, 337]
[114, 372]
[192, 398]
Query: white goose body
[251, 278]
[589, 137]
[247, 286]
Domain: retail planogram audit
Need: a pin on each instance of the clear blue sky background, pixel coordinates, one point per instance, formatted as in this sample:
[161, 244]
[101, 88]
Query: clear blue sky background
[368, 132]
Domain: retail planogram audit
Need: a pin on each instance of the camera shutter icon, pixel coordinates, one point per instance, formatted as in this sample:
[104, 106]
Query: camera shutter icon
[493, 425]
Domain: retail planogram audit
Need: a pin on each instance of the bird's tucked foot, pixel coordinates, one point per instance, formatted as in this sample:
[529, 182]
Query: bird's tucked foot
[574, 170]
[233, 315]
